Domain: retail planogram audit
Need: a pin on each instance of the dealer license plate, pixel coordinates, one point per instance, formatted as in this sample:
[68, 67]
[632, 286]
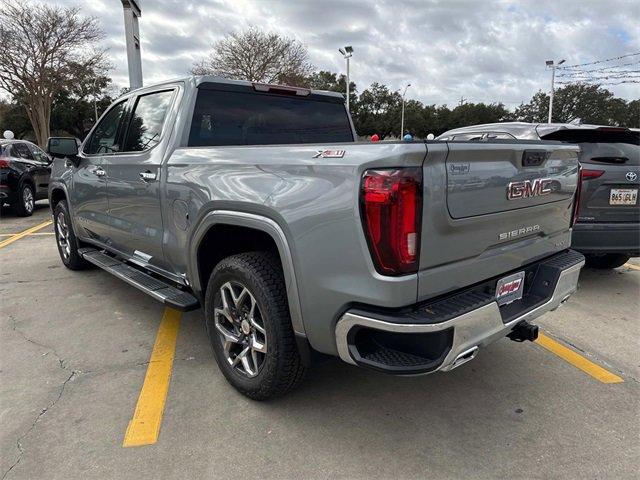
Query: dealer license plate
[509, 289]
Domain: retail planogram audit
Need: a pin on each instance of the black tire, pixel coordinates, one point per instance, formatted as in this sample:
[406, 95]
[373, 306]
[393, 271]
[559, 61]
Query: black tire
[281, 368]
[606, 261]
[25, 203]
[66, 238]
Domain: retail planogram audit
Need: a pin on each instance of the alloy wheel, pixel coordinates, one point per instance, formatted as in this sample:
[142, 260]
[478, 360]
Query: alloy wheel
[27, 199]
[240, 327]
[62, 230]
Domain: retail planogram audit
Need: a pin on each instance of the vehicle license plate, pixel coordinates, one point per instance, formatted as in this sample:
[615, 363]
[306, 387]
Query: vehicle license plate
[623, 196]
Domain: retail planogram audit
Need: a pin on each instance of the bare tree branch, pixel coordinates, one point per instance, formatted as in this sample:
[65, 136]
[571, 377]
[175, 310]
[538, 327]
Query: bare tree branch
[258, 57]
[44, 50]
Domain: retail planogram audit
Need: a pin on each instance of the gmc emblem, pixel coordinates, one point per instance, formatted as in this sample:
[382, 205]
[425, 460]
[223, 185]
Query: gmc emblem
[529, 188]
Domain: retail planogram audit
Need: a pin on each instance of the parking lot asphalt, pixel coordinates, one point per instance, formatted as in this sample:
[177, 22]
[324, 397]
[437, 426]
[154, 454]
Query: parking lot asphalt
[75, 348]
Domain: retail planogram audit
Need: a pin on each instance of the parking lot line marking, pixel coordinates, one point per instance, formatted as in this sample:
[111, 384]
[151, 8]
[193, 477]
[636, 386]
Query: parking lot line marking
[30, 235]
[577, 360]
[631, 265]
[144, 427]
[24, 233]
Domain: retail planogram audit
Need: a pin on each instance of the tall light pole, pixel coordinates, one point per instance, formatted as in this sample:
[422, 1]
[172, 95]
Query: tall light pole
[551, 64]
[402, 116]
[95, 95]
[132, 34]
[347, 52]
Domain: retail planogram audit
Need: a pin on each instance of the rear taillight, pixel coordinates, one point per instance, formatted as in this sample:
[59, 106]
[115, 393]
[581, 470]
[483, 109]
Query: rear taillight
[576, 199]
[4, 162]
[391, 209]
[589, 174]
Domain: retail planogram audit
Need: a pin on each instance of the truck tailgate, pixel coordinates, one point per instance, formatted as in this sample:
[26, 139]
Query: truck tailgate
[504, 205]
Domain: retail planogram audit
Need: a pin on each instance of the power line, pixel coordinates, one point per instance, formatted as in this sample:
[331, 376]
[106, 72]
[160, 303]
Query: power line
[613, 68]
[606, 75]
[599, 83]
[577, 65]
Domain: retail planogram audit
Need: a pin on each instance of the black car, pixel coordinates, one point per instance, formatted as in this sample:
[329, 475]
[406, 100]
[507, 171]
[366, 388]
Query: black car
[608, 224]
[24, 175]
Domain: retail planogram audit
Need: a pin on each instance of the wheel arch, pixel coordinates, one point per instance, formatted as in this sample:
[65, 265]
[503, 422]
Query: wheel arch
[241, 231]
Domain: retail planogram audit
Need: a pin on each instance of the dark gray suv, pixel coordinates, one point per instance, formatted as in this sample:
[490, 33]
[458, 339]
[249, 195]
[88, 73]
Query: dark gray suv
[607, 229]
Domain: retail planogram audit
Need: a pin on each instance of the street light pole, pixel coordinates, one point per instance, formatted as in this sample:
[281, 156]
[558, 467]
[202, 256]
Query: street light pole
[95, 95]
[553, 65]
[347, 52]
[402, 115]
[132, 11]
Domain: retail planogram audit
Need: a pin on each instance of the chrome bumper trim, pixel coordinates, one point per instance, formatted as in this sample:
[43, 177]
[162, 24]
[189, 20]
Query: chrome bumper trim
[477, 328]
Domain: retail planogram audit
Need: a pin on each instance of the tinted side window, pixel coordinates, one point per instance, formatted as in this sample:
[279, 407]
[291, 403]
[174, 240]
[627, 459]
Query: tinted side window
[21, 150]
[38, 154]
[469, 137]
[104, 137]
[500, 136]
[146, 122]
[238, 118]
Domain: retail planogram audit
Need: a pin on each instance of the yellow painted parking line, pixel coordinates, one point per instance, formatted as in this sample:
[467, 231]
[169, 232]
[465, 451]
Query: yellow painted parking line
[577, 360]
[631, 265]
[30, 235]
[24, 233]
[144, 427]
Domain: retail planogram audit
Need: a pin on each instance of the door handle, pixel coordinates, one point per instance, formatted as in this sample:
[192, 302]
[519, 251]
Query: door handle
[147, 176]
[99, 172]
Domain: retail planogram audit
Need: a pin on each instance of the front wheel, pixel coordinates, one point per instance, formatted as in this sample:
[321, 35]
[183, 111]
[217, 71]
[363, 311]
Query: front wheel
[66, 239]
[606, 261]
[249, 327]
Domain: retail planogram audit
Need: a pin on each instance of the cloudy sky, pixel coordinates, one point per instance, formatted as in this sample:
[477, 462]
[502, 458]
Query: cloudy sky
[484, 50]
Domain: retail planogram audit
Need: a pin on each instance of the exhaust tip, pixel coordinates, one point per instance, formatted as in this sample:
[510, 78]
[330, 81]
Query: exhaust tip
[464, 357]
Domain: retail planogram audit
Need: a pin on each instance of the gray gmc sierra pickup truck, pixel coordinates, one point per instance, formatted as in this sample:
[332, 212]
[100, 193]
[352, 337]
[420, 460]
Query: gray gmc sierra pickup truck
[256, 202]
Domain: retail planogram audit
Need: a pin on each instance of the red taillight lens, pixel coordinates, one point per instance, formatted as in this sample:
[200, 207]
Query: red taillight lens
[589, 174]
[391, 208]
[4, 163]
[576, 199]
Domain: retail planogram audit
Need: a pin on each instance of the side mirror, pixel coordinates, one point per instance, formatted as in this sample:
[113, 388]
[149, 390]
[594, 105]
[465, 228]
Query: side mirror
[61, 147]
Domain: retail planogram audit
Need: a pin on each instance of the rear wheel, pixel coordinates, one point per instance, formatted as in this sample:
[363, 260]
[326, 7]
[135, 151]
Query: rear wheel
[25, 203]
[66, 239]
[606, 261]
[249, 327]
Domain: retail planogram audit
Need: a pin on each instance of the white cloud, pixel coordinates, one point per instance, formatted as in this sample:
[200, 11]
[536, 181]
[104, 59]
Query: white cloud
[491, 51]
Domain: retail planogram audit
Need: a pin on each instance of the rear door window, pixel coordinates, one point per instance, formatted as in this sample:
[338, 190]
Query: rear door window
[20, 150]
[147, 120]
[603, 146]
[239, 118]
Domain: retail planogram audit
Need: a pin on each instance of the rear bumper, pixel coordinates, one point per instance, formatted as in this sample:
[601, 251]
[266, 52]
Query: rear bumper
[606, 238]
[420, 341]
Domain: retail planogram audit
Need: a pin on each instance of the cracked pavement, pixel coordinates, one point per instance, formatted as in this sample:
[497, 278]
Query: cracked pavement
[75, 346]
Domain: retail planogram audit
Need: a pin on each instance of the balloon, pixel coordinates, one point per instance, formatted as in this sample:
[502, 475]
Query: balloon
[8, 134]
[375, 137]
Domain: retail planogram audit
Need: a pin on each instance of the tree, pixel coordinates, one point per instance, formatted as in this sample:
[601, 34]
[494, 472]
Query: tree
[324, 80]
[258, 57]
[43, 50]
[589, 103]
[378, 111]
[14, 118]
